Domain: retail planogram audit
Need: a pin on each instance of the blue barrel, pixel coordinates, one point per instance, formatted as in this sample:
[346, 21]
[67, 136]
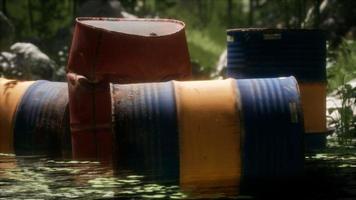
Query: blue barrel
[146, 129]
[272, 128]
[267, 53]
[42, 120]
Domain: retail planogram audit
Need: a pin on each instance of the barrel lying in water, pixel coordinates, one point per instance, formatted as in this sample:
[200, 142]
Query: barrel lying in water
[11, 92]
[41, 123]
[210, 131]
[214, 132]
[267, 53]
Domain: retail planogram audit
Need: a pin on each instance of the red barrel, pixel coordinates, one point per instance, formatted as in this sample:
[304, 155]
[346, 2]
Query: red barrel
[130, 50]
[115, 50]
[90, 118]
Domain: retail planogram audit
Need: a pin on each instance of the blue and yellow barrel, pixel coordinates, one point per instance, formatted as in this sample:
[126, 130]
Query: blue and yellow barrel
[210, 132]
[268, 53]
[41, 124]
[11, 92]
[197, 132]
[34, 117]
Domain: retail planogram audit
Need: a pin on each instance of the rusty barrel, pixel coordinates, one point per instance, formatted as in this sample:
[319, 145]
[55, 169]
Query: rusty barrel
[11, 92]
[129, 50]
[210, 132]
[41, 123]
[90, 118]
[113, 50]
[266, 53]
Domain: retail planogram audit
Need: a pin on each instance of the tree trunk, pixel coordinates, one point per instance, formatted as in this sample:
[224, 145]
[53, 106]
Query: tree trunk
[74, 11]
[229, 13]
[317, 14]
[4, 10]
[251, 12]
[30, 14]
[286, 13]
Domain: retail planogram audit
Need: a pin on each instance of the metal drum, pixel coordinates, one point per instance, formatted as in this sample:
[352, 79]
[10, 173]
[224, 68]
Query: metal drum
[272, 128]
[41, 123]
[267, 53]
[220, 132]
[262, 53]
[146, 129]
[129, 50]
[90, 118]
[113, 50]
[11, 92]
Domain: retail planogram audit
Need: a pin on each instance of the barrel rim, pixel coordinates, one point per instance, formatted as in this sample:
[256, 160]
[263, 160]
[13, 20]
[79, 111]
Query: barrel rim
[79, 21]
[274, 30]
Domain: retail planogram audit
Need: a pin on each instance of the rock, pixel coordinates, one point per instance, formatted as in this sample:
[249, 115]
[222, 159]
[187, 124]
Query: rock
[26, 61]
[220, 68]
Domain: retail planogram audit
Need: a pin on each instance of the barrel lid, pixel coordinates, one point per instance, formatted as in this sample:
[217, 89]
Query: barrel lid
[138, 27]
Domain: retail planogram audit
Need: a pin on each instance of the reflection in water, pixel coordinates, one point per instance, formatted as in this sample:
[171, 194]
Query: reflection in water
[24, 177]
[44, 178]
[329, 175]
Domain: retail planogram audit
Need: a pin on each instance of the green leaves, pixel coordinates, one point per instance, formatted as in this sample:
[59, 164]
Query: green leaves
[344, 121]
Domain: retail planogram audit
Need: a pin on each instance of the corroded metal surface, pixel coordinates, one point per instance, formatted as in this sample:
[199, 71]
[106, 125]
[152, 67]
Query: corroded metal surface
[117, 50]
[90, 118]
[146, 129]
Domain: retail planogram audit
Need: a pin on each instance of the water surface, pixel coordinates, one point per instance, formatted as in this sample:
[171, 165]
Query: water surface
[330, 174]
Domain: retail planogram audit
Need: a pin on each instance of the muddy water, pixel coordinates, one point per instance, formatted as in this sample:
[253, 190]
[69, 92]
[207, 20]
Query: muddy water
[330, 174]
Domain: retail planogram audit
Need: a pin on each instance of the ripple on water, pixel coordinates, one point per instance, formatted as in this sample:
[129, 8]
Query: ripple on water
[44, 178]
[36, 177]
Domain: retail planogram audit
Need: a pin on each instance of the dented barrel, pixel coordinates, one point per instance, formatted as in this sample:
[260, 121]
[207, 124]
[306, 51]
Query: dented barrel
[90, 118]
[11, 92]
[223, 132]
[41, 123]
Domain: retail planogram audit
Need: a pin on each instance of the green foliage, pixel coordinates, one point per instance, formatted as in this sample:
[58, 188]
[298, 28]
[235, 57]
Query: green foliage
[343, 67]
[47, 24]
[345, 120]
[39, 19]
[206, 23]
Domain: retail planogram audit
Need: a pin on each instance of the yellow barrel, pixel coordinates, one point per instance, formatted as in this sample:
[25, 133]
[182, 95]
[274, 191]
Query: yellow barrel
[313, 96]
[11, 92]
[215, 118]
